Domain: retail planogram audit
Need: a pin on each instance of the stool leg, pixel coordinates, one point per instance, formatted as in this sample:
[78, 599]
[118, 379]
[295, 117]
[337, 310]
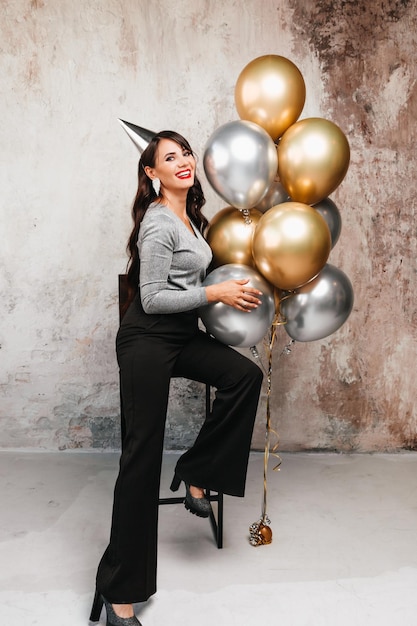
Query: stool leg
[220, 521]
[217, 525]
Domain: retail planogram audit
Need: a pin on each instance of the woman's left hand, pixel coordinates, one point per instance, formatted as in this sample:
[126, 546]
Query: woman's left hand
[235, 293]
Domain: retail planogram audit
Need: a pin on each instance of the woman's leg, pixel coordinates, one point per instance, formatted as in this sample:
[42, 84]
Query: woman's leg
[127, 571]
[219, 457]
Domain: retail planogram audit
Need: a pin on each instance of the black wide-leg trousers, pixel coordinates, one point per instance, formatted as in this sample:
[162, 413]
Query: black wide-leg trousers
[151, 350]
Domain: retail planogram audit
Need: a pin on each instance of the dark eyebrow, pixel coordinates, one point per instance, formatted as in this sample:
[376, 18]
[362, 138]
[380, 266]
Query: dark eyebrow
[173, 153]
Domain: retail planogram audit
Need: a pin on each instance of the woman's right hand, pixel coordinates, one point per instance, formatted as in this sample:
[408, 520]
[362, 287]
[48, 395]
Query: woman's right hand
[235, 293]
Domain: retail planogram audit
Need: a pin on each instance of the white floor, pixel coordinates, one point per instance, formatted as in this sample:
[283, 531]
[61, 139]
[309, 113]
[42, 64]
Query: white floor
[344, 548]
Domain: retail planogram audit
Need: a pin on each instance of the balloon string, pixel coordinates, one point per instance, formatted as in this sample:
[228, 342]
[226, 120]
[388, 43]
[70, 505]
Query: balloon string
[268, 421]
[268, 450]
[280, 318]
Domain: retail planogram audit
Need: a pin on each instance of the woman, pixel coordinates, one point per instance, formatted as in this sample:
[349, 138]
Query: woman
[159, 339]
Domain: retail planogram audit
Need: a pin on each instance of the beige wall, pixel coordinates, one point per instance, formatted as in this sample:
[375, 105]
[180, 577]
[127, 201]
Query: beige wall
[68, 174]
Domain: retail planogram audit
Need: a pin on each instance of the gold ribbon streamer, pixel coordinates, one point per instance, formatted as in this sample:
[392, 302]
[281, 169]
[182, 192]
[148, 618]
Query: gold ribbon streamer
[267, 450]
[260, 531]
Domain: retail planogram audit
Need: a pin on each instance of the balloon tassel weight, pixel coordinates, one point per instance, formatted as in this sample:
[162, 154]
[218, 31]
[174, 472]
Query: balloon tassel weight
[260, 532]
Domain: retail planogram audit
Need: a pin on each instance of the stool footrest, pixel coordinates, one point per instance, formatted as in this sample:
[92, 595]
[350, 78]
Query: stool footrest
[171, 500]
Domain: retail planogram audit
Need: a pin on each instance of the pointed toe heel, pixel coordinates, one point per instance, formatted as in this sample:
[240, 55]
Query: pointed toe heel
[97, 607]
[197, 506]
[112, 619]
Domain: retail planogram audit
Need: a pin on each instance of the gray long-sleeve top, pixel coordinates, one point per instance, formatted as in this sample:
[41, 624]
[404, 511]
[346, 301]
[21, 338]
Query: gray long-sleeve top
[173, 263]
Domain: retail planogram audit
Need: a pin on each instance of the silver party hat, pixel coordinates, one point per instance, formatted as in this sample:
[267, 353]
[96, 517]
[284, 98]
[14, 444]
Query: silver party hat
[141, 137]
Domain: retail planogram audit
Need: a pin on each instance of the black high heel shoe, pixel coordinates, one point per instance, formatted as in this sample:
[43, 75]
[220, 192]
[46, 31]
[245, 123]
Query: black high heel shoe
[198, 506]
[112, 618]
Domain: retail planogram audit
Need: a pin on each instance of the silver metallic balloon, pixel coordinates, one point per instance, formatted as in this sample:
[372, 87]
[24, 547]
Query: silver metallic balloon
[276, 194]
[331, 214]
[320, 307]
[233, 327]
[240, 162]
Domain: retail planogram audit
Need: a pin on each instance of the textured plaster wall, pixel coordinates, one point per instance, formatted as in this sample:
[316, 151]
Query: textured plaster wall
[68, 174]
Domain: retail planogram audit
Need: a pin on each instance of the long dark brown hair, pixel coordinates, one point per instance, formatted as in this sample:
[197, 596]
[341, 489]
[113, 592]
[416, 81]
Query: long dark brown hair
[145, 195]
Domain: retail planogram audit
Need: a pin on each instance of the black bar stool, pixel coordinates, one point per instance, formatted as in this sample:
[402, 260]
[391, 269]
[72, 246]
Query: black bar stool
[216, 524]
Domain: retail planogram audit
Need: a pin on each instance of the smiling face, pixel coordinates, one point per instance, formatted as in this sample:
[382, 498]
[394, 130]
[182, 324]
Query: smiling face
[174, 166]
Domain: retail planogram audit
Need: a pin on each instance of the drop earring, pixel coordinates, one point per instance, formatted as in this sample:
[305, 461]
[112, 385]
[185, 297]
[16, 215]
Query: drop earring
[156, 184]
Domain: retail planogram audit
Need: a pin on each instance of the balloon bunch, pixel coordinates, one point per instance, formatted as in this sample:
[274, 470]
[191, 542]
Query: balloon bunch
[276, 173]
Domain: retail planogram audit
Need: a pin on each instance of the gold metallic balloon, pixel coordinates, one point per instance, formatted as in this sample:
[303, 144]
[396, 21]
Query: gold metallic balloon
[313, 158]
[291, 244]
[230, 236]
[270, 91]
